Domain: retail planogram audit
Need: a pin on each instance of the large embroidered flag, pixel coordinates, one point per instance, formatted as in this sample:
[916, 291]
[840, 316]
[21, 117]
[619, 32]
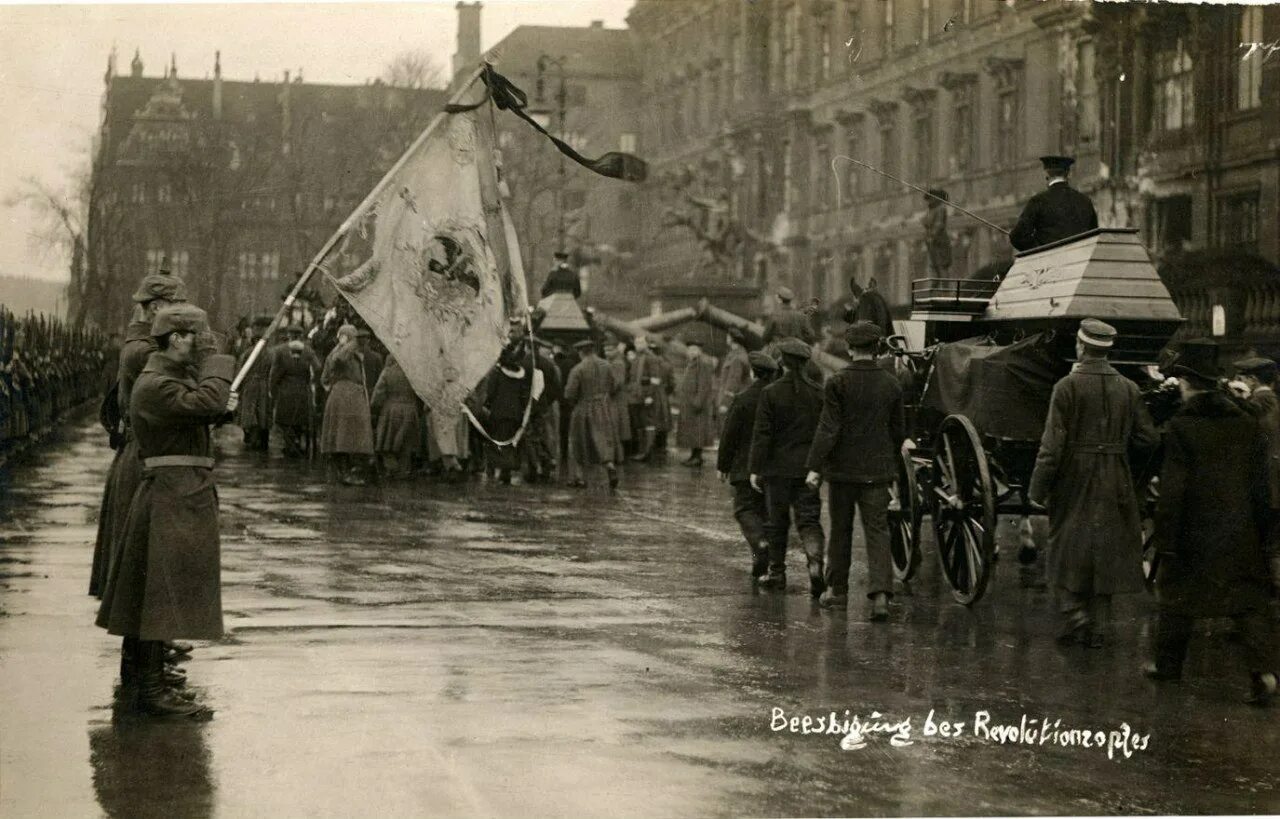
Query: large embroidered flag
[431, 263]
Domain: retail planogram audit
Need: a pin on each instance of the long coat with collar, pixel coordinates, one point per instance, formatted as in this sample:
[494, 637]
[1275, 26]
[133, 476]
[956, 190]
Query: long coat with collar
[861, 427]
[293, 379]
[647, 369]
[1053, 214]
[1096, 419]
[399, 415]
[786, 421]
[347, 427]
[254, 411]
[618, 363]
[697, 398]
[592, 427]
[166, 584]
[126, 469]
[733, 457]
[1212, 514]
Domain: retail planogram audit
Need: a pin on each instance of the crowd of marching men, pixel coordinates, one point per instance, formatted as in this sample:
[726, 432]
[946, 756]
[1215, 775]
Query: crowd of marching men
[46, 369]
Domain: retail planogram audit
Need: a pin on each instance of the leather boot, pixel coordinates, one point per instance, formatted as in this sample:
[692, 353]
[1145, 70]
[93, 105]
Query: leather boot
[613, 478]
[760, 561]
[154, 697]
[174, 647]
[645, 451]
[813, 554]
[129, 661]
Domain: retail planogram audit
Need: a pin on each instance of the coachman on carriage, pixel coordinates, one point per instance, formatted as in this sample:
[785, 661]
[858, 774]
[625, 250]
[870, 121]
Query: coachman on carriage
[982, 383]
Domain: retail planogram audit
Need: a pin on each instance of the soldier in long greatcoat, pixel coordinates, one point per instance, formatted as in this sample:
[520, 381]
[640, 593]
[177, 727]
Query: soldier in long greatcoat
[155, 292]
[696, 397]
[500, 401]
[1082, 475]
[166, 584]
[1211, 526]
[295, 371]
[254, 415]
[593, 432]
[346, 433]
[397, 436]
[616, 355]
[648, 389]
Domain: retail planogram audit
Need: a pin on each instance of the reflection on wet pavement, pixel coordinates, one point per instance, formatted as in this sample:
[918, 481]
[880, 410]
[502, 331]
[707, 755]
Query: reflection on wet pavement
[424, 649]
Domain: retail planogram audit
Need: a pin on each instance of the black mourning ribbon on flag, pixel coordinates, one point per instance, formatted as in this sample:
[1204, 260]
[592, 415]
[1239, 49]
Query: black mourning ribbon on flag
[505, 95]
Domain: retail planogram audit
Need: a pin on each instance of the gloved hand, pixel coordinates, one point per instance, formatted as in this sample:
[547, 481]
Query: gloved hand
[233, 401]
[813, 480]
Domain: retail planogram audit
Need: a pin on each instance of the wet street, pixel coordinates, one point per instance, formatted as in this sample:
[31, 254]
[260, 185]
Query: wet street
[478, 650]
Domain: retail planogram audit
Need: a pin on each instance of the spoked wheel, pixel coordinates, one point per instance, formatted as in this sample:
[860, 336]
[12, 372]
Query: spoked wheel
[905, 513]
[964, 509]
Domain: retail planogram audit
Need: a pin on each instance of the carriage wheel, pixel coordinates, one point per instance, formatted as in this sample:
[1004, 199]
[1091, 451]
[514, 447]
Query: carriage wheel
[964, 510]
[905, 513]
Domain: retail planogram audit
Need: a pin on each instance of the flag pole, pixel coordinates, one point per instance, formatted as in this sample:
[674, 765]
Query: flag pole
[318, 262]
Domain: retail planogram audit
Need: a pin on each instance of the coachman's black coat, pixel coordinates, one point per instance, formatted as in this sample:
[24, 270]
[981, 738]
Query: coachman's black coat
[1212, 517]
[1051, 215]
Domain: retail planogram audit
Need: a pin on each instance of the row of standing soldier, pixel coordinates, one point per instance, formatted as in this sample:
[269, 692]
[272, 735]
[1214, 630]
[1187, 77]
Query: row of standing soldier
[46, 369]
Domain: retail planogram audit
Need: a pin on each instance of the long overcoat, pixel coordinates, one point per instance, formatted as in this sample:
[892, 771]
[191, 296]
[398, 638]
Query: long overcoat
[1212, 514]
[347, 426]
[696, 396]
[293, 378]
[1266, 408]
[1096, 421]
[735, 376]
[399, 417]
[167, 583]
[618, 363]
[126, 469]
[592, 428]
[649, 381]
[254, 411]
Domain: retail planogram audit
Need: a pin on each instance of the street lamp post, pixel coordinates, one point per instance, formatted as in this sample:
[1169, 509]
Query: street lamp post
[561, 104]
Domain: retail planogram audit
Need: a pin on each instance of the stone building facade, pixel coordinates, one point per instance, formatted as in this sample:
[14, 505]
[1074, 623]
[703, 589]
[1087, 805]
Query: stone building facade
[233, 185]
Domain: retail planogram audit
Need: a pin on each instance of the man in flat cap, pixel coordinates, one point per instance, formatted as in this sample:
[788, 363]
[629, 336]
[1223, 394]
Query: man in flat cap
[155, 292]
[593, 431]
[166, 584]
[1096, 420]
[732, 462]
[788, 322]
[785, 424]
[860, 434]
[1057, 213]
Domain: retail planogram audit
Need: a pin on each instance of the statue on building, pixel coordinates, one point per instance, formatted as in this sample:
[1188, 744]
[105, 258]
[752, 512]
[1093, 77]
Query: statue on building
[937, 240]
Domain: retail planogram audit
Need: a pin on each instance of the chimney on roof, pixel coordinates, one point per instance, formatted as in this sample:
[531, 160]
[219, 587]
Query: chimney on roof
[111, 66]
[135, 67]
[466, 56]
[173, 65]
[597, 23]
[217, 85]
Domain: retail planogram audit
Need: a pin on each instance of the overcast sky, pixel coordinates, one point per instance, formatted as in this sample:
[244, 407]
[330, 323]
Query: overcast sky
[52, 61]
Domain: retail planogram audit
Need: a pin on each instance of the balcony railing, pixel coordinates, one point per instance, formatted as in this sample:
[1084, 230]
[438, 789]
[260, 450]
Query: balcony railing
[951, 295]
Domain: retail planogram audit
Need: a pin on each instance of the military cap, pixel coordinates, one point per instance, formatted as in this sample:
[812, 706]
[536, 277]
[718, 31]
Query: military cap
[862, 334]
[348, 330]
[585, 344]
[159, 286]
[761, 361]
[1256, 365]
[262, 321]
[296, 345]
[794, 347]
[179, 318]
[1057, 164]
[1096, 333]
[560, 255]
[785, 294]
[1197, 361]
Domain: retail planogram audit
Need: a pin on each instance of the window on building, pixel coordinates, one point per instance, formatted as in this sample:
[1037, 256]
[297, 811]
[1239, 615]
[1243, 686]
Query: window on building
[180, 262]
[1008, 108]
[922, 125]
[788, 175]
[851, 267]
[1249, 64]
[164, 194]
[138, 193]
[1087, 114]
[1173, 103]
[1238, 221]
[888, 150]
[926, 20]
[964, 115]
[155, 258]
[823, 35]
[627, 143]
[853, 176]
[1172, 223]
[248, 265]
[790, 46]
[966, 11]
[270, 264]
[822, 195]
[887, 21]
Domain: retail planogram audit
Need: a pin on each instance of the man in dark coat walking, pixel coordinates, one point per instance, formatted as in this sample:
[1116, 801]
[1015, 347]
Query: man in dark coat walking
[860, 433]
[1096, 420]
[1056, 213]
[166, 584]
[785, 424]
[1211, 526]
[732, 462]
[1259, 375]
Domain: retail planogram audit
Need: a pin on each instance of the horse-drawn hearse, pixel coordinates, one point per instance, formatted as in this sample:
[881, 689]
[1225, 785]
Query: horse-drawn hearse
[980, 387]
